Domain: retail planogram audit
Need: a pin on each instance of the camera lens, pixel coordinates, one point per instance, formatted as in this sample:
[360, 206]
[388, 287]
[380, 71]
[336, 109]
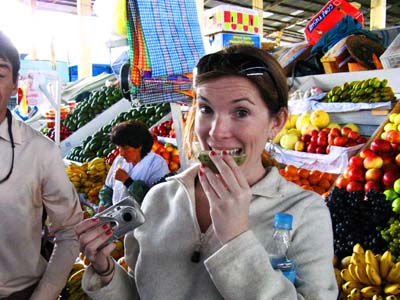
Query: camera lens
[127, 217]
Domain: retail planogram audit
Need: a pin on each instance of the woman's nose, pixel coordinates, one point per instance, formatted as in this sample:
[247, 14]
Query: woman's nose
[221, 127]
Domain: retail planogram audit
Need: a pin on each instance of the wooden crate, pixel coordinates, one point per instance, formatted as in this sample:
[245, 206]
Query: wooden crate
[335, 59]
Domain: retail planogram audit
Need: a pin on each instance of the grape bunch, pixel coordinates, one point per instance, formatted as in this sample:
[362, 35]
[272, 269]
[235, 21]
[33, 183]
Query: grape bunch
[391, 235]
[358, 218]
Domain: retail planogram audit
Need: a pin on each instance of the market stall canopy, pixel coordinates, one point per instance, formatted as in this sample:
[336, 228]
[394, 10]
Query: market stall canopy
[282, 18]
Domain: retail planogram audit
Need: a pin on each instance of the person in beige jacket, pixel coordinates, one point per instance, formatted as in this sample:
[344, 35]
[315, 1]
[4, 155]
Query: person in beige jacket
[207, 233]
[32, 176]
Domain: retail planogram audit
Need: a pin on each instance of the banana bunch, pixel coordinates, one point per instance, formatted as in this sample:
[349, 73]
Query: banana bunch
[74, 285]
[76, 174]
[365, 275]
[369, 90]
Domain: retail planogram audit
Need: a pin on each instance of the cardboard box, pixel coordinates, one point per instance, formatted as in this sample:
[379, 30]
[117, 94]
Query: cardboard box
[218, 41]
[335, 59]
[231, 18]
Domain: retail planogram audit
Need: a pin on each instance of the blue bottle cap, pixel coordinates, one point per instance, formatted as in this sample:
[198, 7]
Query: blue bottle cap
[283, 221]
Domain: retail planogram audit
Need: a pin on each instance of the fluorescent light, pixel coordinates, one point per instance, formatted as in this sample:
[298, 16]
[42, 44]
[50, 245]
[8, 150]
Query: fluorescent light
[285, 19]
[267, 14]
[297, 12]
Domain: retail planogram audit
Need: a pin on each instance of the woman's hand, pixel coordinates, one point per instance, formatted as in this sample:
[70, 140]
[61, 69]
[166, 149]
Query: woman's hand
[229, 196]
[91, 236]
[121, 175]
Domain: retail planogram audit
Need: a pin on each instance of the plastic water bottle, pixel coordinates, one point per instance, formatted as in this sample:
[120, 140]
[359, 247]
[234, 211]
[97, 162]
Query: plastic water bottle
[280, 245]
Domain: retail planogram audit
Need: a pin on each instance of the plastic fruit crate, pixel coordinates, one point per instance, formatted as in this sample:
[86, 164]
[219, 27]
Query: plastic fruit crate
[391, 57]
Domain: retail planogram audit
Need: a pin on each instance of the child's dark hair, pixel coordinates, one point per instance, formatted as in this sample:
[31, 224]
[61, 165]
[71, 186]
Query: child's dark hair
[134, 134]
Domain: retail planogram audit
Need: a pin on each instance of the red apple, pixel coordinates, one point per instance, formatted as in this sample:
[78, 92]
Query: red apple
[350, 142]
[325, 129]
[355, 174]
[314, 139]
[342, 182]
[381, 146]
[340, 141]
[356, 162]
[366, 152]
[335, 131]
[397, 159]
[323, 133]
[305, 138]
[373, 174]
[328, 149]
[389, 177]
[331, 140]
[314, 132]
[311, 148]
[361, 140]
[393, 136]
[322, 141]
[353, 135]
[373, 161]
[321, 150]
[395, 147]
[354, 186]
[372, 185]
[345, 131]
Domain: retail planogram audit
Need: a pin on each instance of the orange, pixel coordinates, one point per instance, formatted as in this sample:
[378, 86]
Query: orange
[318, 189]
[291, 170]
[325, 184]
[303, 173]
[307, 187]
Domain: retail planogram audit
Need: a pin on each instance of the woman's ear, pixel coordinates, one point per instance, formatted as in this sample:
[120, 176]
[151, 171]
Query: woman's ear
[279, 121]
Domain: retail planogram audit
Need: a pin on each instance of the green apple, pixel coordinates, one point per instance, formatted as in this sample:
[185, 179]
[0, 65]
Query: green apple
[390, 194]
[396, 205]
[396, 186]
[352, 126]
[288, 141]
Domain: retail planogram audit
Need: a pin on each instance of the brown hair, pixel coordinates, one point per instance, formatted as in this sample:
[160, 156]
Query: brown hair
[249, 62]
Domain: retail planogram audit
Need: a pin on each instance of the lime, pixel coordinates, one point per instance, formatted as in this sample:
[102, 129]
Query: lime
[396, 186]
[390, 195]
[396, 205]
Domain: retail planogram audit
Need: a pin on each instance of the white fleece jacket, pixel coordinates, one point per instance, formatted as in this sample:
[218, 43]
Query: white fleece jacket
[159, 252]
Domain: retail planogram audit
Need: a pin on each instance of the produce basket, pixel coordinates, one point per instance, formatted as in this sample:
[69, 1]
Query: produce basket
[391, 57]
[335, 162]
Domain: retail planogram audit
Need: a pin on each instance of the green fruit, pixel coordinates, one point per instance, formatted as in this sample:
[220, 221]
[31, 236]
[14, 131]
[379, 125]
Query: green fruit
[396, 205]
[396, 186]
[204, 158]
[390, 195]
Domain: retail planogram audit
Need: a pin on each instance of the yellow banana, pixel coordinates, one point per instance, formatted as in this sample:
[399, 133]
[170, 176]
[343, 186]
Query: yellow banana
[373, 275]
[76, 267]
[371, 259]
[345, 274]
[344, 263]
[394, 273]
[352, 271]
[77, 276]
[392, 288]
[385, 264]
[357, 258]
[370, 291]
[377, 297]
[357, 248]
[355, 294]
[349, 285]
[362, 274]
[391, 297]
[338, 276]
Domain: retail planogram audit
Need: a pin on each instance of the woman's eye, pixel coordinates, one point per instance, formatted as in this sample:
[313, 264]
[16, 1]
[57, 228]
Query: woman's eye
[241, 113]
[205, 109]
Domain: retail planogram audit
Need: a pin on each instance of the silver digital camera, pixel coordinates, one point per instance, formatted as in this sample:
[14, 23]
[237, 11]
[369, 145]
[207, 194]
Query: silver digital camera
[122, 217]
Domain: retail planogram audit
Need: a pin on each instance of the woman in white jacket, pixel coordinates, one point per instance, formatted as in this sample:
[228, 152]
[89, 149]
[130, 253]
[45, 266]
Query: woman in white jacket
[206, 234]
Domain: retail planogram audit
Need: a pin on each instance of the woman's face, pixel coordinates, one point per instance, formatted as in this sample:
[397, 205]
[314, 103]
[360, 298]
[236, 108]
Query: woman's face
[131, 154]
[231, 115]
